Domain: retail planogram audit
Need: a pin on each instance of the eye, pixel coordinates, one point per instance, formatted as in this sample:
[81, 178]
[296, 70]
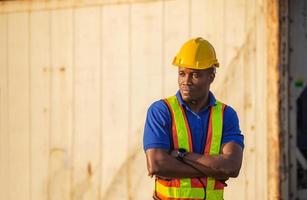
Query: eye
[195, 75]
[181, 74]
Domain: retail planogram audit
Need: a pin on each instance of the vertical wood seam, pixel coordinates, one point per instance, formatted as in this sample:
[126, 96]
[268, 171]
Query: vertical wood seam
[245, 161]
[190, 17]
[73, 103]
[224, 32]
[7, 96]
[255, 80]
[100, 101]
[50, 104]
[30, 106]
[129, 96]
[163, 49]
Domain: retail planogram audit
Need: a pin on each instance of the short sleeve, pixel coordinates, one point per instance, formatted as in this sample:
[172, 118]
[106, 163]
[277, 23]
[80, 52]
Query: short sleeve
[231, 128]
[157, 127]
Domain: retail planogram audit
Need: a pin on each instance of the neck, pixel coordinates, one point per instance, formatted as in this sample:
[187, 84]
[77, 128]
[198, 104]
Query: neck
[198, 105]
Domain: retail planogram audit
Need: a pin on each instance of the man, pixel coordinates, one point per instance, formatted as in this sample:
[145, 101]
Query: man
[193, 143]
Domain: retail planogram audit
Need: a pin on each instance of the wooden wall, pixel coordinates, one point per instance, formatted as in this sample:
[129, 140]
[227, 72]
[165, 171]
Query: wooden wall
[76, 79]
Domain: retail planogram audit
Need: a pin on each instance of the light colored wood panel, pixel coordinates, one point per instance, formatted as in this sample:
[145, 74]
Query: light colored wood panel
[248, 118]
[4, 137]
[230, 75]
[86, 160]
[60, 70]
[146, 70]
[34, 6]
[261, 179]
[207, 21]
[40, 102]
[146, 81]
[19, 129]
[234, 21]
[115, 102]
[249, 121]
[176, 32]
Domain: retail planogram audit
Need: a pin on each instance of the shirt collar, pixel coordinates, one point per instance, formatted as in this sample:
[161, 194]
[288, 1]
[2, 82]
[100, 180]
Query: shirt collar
[211, 100]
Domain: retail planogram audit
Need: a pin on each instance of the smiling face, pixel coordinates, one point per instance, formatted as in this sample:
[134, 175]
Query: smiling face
[194, 84]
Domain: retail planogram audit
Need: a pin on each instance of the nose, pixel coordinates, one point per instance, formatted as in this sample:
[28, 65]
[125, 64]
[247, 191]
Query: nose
[187, 80]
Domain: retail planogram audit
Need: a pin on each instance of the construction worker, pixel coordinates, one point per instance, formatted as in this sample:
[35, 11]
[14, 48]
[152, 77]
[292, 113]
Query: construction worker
[192, 141]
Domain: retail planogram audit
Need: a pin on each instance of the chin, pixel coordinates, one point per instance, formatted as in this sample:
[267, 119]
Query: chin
[186, 98]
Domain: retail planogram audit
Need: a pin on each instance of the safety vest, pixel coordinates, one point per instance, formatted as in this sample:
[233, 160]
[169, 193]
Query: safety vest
[191, 188]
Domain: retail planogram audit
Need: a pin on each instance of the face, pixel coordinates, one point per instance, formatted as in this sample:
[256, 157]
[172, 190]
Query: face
[194, 84]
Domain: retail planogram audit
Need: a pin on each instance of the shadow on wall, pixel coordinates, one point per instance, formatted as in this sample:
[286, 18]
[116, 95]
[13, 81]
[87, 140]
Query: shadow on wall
[131, 180]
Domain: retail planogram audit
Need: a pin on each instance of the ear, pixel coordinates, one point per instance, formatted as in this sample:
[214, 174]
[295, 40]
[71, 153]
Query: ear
[211, 77]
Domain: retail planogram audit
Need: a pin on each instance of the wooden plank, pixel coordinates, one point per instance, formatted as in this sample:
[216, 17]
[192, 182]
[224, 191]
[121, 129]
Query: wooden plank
[234, 34]
[34, 6]
[176, 32]
[61, 68]
[146, 83]
[210, 28]
[261, 140]
[250, 113]
[4, 137]
[233, 47]
[19, 115]
[115, 101]
[86, 161]
[273, 95]
[40, 102]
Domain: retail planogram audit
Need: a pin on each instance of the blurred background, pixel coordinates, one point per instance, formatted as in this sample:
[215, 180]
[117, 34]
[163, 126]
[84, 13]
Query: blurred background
[77, 77]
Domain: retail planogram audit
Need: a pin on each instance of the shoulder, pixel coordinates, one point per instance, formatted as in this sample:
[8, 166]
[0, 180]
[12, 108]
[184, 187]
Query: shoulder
[231, 127]
[229, 112]
[158, 107]
[157, 126]
[158, 110]
[230, 117]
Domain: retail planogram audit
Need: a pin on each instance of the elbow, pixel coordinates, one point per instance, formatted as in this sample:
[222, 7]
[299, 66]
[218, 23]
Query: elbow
[232, 168]
[228, 171]
[156, 161]
[233, 172]
[155, 168]
[226, 174]
[152, 169]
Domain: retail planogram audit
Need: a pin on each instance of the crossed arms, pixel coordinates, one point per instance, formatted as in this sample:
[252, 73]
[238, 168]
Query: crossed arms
[222, 166]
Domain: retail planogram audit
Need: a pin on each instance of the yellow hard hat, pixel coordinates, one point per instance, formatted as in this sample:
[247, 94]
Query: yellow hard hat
[196, 53]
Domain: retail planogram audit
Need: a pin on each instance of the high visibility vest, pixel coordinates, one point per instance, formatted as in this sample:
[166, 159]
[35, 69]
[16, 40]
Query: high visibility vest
[191, 188]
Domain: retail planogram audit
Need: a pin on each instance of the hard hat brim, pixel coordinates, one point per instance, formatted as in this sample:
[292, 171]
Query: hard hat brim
[198, 65]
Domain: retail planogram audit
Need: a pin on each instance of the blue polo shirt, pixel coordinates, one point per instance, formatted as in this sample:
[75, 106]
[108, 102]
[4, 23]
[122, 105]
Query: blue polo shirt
[157, 131]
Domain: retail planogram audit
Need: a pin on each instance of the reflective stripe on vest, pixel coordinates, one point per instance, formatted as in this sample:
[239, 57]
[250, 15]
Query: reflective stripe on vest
[191, 188]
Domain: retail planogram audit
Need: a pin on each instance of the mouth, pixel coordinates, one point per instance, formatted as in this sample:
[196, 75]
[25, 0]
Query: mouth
[186, 90]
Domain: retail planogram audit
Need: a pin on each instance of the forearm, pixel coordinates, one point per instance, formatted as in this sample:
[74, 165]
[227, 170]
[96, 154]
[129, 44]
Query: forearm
[164, 165]
[225, 165]
[219, 167]
[222, 166]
